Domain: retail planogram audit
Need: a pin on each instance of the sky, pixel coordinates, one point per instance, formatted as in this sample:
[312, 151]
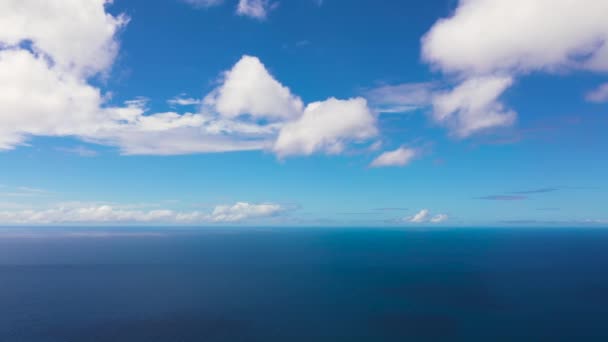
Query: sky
[434, 113]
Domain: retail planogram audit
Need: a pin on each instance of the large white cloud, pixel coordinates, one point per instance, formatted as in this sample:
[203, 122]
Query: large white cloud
[327, 127]
[490, 42]
[39, 99]
[486, 36]
[248, 88]
[103, 213]
[75, 34]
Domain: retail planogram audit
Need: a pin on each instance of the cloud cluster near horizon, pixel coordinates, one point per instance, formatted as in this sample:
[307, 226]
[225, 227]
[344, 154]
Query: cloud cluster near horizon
[425, 216]
[109, 214]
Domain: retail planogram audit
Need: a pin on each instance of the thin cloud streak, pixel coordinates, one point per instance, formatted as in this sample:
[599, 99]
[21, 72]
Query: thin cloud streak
[502, 198]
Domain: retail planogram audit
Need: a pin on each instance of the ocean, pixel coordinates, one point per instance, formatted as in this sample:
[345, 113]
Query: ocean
[304, 284]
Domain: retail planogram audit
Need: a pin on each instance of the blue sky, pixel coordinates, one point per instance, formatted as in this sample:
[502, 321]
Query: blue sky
[304, 113]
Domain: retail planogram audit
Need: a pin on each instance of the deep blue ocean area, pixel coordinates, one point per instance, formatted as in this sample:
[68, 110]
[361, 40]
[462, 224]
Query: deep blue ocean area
[332, 284]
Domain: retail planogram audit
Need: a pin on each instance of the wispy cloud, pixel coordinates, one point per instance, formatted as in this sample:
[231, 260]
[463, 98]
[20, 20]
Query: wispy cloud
[569, 223]
[391, 209]
[204, 3]
[598, 95]
[400, 98]
[22, 191]
[502, 198]
[517, 195]
[535, 191]
[183, 100]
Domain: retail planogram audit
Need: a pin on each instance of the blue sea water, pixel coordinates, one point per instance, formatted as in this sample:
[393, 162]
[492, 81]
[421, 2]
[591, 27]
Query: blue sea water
[303, 285]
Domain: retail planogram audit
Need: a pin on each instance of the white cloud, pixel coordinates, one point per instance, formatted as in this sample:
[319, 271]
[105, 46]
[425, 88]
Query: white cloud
[487, 43]
[90, 214]
[439, 218]
[38, 99]
[488, 36]
[248, 88]
[101, 213]
[76, 35]
[327, 127]
[242, 210]
[399, 157]
[421, 216]
[424, 216]
[598, 95]
[257, 9]
[173, 133]
[473, 106]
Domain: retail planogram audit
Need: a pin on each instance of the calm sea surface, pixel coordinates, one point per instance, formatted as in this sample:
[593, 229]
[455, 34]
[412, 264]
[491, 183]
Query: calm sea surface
[303, 285]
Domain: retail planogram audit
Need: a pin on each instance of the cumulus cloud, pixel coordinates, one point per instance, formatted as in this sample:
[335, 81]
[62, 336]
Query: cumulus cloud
[598, 95]
[327, 127]
[399, 157]
[248, 88]
[425, 216]
[78, 36]
[95, 213]
[257, 9]
[518, 37]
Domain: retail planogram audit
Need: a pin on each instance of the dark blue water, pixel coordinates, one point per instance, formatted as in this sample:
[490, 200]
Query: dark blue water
[306, 285]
